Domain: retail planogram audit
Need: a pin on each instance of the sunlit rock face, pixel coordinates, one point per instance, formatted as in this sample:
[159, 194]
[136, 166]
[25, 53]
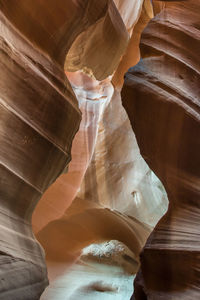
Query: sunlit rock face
[93, 96]
[161, 95]
[104, 271]
[118, 177]
[111, 253]
[117, 193]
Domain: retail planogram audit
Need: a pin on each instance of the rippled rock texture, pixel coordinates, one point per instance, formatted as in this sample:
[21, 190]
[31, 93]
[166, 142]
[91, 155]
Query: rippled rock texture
[51, 216]
[94, 96]
[39, 118]
[40, 114]
[65, 60]
[161, 97]
[112, 192]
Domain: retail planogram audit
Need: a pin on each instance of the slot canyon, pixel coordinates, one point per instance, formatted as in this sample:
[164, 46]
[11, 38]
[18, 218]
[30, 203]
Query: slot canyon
[99, 150]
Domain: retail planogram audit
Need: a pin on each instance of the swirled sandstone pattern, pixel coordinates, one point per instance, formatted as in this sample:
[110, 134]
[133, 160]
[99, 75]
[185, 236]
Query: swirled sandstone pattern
[39, 118]
[40, 115]
[161, 96]
[98, 164]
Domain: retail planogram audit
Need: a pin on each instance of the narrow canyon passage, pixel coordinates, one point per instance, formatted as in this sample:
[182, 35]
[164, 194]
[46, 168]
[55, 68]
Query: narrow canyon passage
[88, 147]
[99, 213]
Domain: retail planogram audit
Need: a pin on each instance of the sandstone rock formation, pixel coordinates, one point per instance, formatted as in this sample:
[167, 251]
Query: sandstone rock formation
[135, 192]
[86, 222]
[40, 115]
[63, 62]
[118, 177]
[35, 137]
[39, 118]
[93, 96]
[161, 97]
[104, 271]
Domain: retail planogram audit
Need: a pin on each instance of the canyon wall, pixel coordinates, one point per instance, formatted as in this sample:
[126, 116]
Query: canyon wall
[161, 96]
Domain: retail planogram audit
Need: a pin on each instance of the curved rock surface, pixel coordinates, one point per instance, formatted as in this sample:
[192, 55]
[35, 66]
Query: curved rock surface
[39, 118]
[93, 97]
[35, 137]
[40, 115]
[161, 97]
[117, 176]
[85, 223]
[102, 117]
[106, 272]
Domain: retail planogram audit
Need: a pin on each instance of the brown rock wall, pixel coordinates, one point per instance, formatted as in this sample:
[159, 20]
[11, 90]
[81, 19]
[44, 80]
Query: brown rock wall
[161, 96]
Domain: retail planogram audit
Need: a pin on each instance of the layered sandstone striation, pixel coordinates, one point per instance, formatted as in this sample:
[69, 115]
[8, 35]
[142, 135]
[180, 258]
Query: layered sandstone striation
[123, 190]
[61, 60]
[94, 96]
[161, 97]
[39, 118]
[96, 163]
[112, 192]
[40, 114]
